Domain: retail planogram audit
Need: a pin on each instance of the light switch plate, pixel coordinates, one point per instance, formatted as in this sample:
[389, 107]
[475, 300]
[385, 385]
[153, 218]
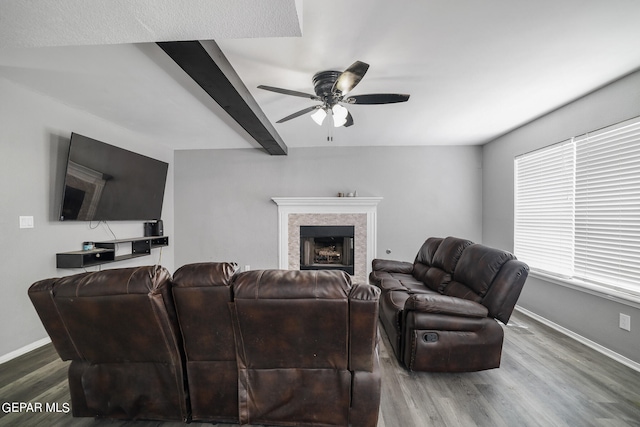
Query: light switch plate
[625, 322]
[26, 222]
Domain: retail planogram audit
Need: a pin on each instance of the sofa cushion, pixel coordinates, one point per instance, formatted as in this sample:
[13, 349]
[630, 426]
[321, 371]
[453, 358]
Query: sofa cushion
[412, 285]
[428, 249]
[399, 282]
[390, 284]
[201, 293]
[479, 265]
[285, 318]
[103, 312]
[460, 290]
[448, 253]
[433, 277]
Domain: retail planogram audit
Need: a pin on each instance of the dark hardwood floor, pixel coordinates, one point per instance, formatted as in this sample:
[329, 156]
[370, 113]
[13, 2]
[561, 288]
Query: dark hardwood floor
[546, 379]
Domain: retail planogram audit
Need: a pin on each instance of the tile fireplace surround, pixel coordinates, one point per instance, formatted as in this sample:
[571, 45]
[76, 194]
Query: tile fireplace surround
[360, 212]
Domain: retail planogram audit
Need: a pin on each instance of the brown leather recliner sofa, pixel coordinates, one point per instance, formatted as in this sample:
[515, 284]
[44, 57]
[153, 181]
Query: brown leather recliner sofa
[440, 311]
[268, 346]
[120, 331]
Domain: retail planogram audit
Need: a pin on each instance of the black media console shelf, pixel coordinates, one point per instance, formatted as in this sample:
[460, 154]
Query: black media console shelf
[105, 252]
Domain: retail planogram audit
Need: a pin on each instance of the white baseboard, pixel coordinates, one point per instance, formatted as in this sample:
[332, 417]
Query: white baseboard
[593, 345]
[24, 350]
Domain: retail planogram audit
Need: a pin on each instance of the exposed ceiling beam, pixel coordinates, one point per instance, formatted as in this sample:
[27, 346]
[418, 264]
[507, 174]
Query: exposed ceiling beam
[212, 71]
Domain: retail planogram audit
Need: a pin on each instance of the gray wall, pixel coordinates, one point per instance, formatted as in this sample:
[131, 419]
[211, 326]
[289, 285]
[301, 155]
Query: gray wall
[590, 316]
[224, 211]
[34, 138]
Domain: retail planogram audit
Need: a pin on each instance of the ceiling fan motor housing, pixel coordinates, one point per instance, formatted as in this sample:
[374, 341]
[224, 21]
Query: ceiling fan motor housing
[323, 82]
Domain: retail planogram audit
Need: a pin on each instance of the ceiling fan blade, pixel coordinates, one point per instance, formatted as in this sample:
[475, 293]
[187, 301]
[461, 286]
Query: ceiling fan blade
[289, 92]
[377, 98]
[349, 121]
[350, 77]
[299, 113]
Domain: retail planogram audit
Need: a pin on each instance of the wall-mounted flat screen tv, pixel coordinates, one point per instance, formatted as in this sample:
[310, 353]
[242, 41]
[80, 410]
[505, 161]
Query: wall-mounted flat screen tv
[107, 183]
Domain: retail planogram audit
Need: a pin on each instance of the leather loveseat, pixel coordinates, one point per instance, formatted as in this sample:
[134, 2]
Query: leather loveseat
[266, 347]
[440, 311]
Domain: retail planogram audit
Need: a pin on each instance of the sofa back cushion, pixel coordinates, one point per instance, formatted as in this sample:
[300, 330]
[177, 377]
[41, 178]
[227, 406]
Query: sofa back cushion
[202, 293]
[292, 346]
[427, 250]
[422, 266]
[489, 276]
[475, 271]
[119, 315]
[449, 252]
[478, 267]
[461, 290]
[293, 318]
[436, 261]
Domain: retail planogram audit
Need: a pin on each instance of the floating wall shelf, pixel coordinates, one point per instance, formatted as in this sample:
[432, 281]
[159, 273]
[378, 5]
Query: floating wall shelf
[105, 252]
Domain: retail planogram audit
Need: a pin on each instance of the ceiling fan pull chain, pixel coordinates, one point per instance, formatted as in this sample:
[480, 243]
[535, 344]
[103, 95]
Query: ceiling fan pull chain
[330, 128]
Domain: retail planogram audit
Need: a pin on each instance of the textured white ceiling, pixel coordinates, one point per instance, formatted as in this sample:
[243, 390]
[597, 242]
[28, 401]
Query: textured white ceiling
[37, 23]
[474, 69]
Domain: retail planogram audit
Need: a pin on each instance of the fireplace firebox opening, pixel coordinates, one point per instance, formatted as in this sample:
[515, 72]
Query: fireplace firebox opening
[327, 247]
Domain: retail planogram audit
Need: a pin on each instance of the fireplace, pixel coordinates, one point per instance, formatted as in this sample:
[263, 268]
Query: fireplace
[359, 212]
[327, 247]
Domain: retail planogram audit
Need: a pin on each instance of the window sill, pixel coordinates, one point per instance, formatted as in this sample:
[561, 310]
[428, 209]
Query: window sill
[626, 297]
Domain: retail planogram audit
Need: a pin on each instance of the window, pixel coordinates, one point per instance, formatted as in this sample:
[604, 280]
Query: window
[577, 207]
[544, 209]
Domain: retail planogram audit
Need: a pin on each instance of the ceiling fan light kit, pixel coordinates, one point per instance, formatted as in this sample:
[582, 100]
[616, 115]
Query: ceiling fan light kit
[331, 88]
[319, 116]
[339, 115]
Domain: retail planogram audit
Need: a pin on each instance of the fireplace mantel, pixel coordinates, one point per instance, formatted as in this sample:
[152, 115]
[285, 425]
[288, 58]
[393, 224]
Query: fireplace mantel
[328, 202]
[327, 207]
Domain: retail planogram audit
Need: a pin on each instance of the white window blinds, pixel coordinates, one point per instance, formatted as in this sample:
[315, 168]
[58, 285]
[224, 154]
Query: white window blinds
[544, 208]
[607, 242]
[577, 207]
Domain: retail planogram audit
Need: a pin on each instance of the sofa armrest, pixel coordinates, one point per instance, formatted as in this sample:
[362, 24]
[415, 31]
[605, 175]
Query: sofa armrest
[363, 327]
[443, 304]
[392, 266]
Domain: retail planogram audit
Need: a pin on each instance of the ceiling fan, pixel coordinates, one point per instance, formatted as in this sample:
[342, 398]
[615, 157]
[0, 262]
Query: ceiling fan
[331, 88]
